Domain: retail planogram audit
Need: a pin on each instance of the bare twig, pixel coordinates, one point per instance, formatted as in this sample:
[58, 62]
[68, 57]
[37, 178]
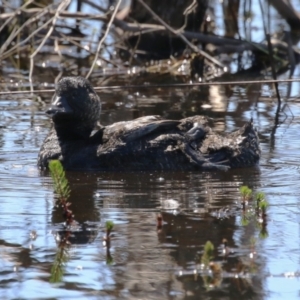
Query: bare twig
[104, 37]
[273, 71]
[16, 12]
[178, 85]
[133, 27]
[16, 31]
[72, 41]
[9, 39]
[291, 54]
[94, 5]
[287, 11]
[142, 28]
[187, 12]
[176, 33]
[35, 18]
[62, 6]
[57, 50]
[271, 56]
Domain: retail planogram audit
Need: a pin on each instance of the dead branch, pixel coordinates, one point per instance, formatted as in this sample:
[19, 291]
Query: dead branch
[94, 5]
[177, 85]
[241, 45]
[103, 38]
[178, 33]
[8, 20]
[287, 11]
[38, 14]
[50, 15]
[61, 7]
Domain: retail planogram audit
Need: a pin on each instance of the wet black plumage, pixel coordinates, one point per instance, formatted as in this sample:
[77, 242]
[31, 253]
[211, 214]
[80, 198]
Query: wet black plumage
[146, 143]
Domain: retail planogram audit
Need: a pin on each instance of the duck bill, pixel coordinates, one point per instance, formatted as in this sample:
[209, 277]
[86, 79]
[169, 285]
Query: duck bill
[59, 106]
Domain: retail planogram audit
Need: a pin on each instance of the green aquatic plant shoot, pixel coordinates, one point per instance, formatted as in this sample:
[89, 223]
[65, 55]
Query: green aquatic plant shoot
[62, 189]
[263, 205]
[208, 253]
[245, 192]
[61, 185]
[261, 202]
[209, 248]
[109, 225]
[260, 196]
[58, 267]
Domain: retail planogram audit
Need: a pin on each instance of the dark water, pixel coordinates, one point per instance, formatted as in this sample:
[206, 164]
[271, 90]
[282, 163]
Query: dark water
[146, 262]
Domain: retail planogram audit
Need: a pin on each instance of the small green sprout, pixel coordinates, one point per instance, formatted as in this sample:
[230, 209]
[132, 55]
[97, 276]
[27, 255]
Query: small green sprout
[245, 192]
[61, 185]
[62, 189]
[58, 267]
[259, 197]
[263, 205]
[109, 225]
[208, 253]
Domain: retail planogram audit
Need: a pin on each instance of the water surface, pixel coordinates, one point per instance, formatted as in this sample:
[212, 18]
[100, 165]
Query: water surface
[145, 261]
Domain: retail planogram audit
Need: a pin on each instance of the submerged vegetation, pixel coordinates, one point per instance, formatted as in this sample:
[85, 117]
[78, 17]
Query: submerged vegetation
[213, 261]
[218, 263]
[62, 189]
[256, 208]
[208, 254]
[245, 192]
[107, 239]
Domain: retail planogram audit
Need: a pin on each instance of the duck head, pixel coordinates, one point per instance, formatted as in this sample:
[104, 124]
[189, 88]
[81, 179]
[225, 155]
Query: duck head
[75, 108]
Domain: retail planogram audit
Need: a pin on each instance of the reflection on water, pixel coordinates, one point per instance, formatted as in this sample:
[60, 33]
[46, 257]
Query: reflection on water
[146, 261]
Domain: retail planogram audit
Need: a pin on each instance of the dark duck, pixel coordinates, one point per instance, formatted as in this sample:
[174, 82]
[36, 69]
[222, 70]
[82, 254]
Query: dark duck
[146, 143]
